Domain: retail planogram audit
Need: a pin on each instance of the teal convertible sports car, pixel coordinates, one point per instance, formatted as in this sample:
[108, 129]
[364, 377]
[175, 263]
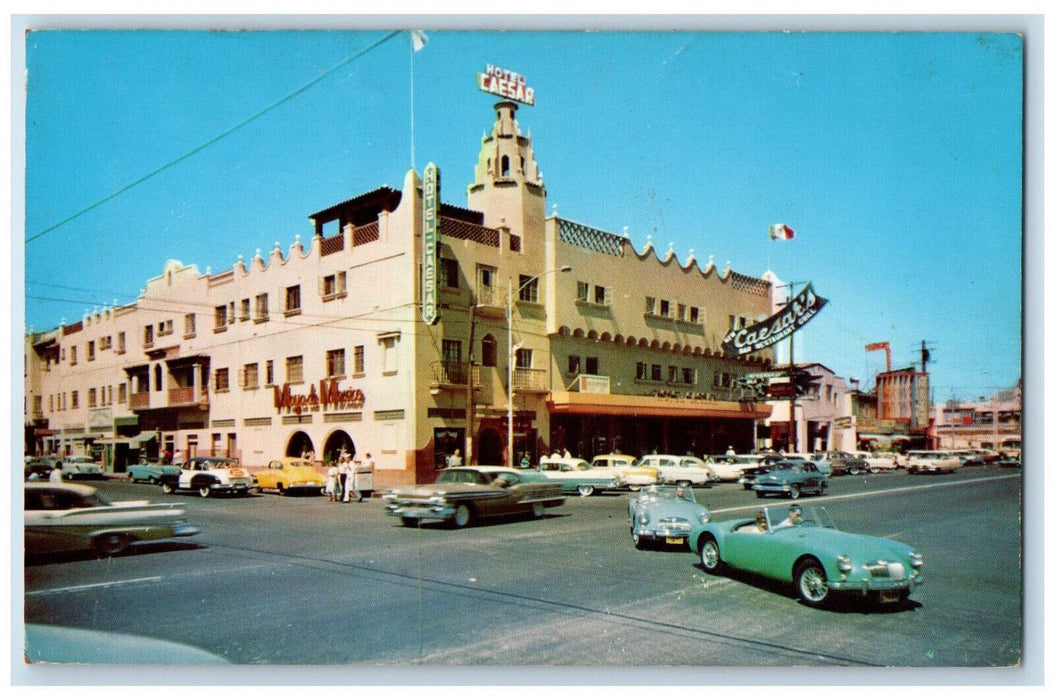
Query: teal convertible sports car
[800, 545]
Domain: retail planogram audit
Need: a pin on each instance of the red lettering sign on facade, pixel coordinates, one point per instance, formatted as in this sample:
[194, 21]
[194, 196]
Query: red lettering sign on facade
[329, 397]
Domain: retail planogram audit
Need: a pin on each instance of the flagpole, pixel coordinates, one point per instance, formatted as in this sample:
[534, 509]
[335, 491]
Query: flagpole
[412, 52]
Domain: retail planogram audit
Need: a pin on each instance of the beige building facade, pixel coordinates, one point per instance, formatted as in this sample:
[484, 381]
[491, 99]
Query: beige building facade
[589, 344]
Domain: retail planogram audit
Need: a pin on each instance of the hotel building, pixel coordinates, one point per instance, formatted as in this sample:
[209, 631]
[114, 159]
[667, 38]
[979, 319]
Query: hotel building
[589, 344]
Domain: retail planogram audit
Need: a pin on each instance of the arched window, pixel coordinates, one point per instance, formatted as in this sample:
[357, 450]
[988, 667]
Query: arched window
[505, 166]
[489, 351]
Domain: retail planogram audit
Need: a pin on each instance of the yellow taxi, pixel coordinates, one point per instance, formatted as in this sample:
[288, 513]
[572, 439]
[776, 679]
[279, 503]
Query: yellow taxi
[290, 474]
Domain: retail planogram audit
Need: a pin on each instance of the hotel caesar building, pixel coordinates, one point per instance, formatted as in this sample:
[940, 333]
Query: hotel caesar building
[323, 347]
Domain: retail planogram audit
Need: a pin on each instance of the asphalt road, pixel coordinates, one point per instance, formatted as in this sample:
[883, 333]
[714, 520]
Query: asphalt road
[299, 580]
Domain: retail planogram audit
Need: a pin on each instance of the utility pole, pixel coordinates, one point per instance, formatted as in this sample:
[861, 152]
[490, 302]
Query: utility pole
[470, 402]
[793, 433]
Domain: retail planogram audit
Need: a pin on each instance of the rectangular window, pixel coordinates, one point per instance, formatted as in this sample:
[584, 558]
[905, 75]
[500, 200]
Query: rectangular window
[166, 327]
[574, 365]
[220, 318]
[251, 376]
[295, 369]
[664, 307]
[91, 350]
[223, 380]
[448, 273]
[243, 310]
[582, 291]
[694, 314]
[122, 393]
[650, 305]
[148, 336]
[486, 292]
[92, 398]
[334, 286]
[485, 276]
[642, 371]
[681, 312]
[106, 342]
[523, 358]
[75, 399]
[335, 363]
[270, 373]
[452, 350]
[292, 300]
[600, 295]
[359, 360]
[657, 373]
[121, 342]
[593, 365]
[73, 354]
[528, 288]
[189, 325]
[389, 354]
[261, 308]
[688, 375]
[672, 374]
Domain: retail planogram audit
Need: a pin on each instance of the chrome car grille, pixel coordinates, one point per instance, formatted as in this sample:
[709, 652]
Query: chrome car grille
[886, 569]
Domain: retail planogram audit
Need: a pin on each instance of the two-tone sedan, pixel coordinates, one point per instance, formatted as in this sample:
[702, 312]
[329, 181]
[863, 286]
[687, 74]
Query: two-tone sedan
[462, 495]
[792, 479]
[579, 476]
[664, 515]
[801, 545]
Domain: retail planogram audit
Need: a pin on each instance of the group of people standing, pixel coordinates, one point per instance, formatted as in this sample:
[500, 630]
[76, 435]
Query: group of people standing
[348, 479]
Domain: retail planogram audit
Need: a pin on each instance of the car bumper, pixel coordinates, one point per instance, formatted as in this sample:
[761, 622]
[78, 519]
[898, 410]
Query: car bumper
[421, 512]
[663, 531]
[186, 531]
[771, 488]
[864, 587]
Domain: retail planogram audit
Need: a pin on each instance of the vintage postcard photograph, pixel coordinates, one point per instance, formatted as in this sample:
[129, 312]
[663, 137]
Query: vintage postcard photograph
[664, 354]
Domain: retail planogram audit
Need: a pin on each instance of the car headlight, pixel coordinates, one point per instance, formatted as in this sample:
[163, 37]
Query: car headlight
[644, 518]
[916, 560]
[704, 518]
[844, 563]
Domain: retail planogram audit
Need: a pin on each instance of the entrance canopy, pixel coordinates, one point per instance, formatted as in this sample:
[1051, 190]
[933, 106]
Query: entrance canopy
[574, 403]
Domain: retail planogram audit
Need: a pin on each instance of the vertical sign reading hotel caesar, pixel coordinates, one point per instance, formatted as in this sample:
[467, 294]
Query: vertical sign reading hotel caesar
[430, 237]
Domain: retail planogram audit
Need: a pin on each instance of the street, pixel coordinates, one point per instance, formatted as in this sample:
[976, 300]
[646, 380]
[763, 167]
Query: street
[299, 580]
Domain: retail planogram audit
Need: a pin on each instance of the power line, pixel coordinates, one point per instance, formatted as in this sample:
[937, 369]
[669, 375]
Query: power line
[215, 139]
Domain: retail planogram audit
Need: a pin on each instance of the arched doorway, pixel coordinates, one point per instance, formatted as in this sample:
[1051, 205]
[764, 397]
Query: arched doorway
[338, 441]
[299, 444]
[491, 447]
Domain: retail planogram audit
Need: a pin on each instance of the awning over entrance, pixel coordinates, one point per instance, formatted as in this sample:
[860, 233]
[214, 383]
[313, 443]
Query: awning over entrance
[575, 403]
[133, 442]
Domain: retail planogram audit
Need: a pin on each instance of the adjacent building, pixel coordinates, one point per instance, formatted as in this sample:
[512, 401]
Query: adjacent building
[992, 424]
[584, 342]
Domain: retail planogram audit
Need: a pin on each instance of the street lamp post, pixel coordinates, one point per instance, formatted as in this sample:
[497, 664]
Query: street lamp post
[512, 352]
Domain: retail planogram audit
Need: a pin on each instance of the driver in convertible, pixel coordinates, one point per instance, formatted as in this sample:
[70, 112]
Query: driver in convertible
[794, 517]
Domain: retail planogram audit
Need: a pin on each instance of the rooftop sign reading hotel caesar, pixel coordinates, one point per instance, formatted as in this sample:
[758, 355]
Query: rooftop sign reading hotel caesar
[798, 312]
[430, 237]
[506, 83]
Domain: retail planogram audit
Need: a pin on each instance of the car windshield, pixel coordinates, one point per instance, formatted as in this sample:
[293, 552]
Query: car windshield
[794, 515]
[667, 493]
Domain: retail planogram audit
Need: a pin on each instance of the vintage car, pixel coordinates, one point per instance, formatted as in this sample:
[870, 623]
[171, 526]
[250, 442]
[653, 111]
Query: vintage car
[72, 517]
[578, 476]
[664, 514]
[731, 467]
[930, 462]
[81, 467]
[462, 495]
[676, 469]
[800, 545]
[879, 461]
[791, 478]
[633, 475]
[150, 472]
[41, 467]
[290, 475]
[840, 462]
[209, 476]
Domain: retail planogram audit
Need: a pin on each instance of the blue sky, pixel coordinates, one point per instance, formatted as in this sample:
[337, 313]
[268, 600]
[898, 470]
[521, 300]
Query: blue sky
[895, 157]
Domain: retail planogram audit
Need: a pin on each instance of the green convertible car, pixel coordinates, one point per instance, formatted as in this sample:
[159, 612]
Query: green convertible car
[800, 545]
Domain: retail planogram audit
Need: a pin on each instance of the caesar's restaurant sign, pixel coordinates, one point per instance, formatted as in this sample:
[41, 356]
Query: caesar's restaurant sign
[329, 397]
[505, 83]
[794, 316]
[429, 239]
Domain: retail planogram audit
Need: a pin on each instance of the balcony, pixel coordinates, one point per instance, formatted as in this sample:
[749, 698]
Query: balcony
[139, 401]
[453, 373]
[530, 380]
[187, 396]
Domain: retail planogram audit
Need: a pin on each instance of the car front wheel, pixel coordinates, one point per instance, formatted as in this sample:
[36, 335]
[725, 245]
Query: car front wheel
[112, 544]
[812, 583]
[537, 510]
[793, 491]
[585, 490]
[167, 487]
[205, 491]
[462, 516]
[710, 556]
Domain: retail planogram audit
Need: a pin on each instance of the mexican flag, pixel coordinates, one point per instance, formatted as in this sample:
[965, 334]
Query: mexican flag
[780, 232]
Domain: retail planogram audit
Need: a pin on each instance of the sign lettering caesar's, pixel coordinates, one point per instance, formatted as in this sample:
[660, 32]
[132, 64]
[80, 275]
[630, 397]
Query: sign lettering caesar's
[777, 327]
[429, 244]
[505, 83]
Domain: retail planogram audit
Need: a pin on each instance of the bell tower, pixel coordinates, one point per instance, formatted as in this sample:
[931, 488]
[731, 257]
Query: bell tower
[507, 183]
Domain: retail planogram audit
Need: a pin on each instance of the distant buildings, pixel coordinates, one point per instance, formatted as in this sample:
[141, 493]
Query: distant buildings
[994, 423]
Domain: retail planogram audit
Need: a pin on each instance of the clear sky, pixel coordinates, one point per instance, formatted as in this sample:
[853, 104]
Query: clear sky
[895, 157]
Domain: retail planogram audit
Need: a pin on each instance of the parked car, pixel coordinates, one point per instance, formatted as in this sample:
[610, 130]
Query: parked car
[72, 517]
[1009, 462]
[968, 458]
[209, 476]
[748, 475]
[819, 460]
[801, 545]
[629, 472]
[81, 467]
[930, 462]
[675, 469]
[150, 471]
[290, 475]
[879, 461]
[841, 462]
[462, 495]
[578, 476]
[791, 478]
[664, 514]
